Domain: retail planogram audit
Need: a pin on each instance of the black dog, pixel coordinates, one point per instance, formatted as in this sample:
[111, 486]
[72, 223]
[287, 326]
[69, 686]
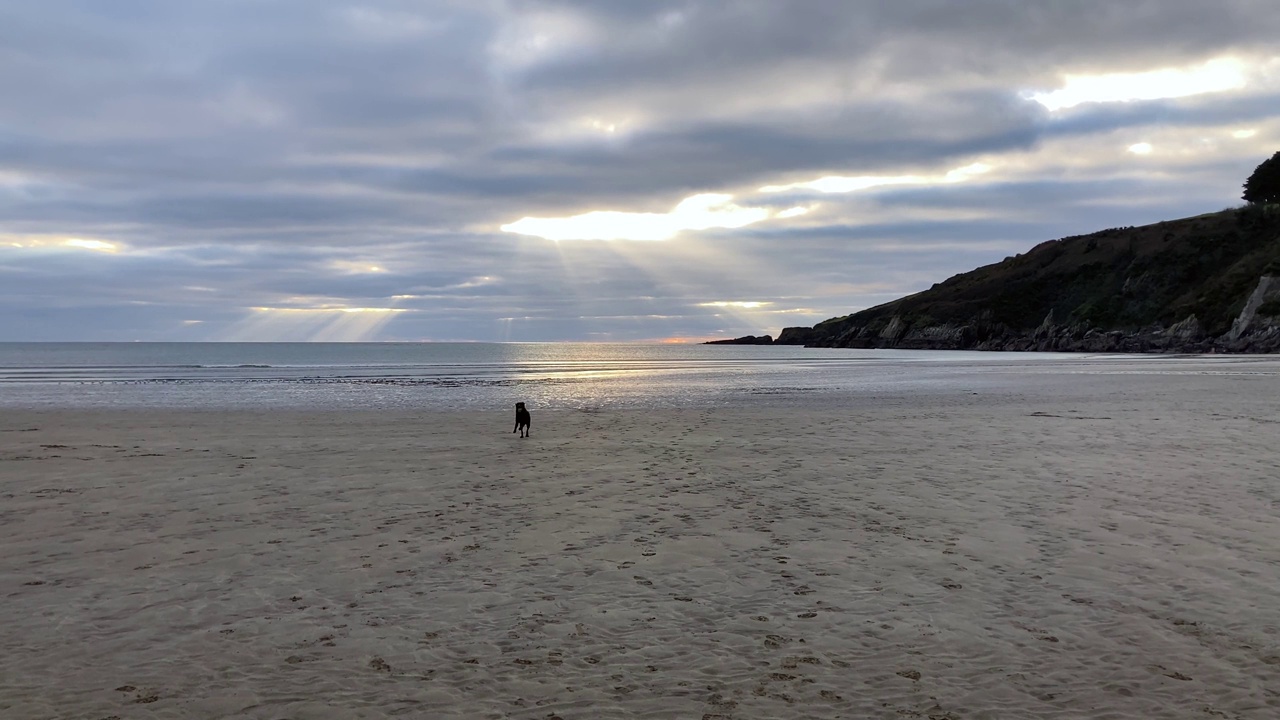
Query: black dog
[522, 420]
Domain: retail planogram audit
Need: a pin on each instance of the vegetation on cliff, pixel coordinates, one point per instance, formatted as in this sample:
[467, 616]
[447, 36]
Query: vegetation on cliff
[1263, 186]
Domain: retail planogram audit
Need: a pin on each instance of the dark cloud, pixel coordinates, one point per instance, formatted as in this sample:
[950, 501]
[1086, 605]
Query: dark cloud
[863, 51]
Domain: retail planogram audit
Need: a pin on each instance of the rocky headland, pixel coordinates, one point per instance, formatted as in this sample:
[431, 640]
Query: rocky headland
[1209, 283]
[745, 340]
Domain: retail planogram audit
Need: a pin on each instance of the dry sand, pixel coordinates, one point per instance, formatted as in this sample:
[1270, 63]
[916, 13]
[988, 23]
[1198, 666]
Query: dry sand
[1058, 547]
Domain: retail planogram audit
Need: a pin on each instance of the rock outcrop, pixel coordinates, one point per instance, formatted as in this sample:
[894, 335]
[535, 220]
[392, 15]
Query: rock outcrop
[1210, 283]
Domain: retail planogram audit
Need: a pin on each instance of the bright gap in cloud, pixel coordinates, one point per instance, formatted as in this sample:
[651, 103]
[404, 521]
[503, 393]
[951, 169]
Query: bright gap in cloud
[698, 212]
[713, 210]
[961, 174]
[99, 245]
[21, 241]
[793, 212]
[1141, 148]
[1244, 134]
[852, 183]
[839, 184]
[748, 305]
[1213, 76]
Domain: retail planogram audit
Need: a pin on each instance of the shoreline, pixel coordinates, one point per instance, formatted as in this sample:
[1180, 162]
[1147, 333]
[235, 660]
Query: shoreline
[805, 380]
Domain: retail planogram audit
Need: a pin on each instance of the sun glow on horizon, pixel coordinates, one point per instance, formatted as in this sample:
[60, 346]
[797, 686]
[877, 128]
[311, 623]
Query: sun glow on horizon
[1213, 76]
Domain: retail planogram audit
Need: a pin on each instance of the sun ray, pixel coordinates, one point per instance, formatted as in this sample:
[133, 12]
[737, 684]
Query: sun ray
[327, 324]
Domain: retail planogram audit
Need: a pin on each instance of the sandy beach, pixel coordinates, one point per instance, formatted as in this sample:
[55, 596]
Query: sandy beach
[1053, 547]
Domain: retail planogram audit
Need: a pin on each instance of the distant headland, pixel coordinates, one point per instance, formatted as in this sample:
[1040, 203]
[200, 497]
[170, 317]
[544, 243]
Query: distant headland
[1203, 284]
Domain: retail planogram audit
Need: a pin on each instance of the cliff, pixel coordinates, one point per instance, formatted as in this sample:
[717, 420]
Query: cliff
[1209, 283]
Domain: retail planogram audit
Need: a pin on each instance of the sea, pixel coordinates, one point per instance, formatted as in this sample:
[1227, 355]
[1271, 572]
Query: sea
[461, 376]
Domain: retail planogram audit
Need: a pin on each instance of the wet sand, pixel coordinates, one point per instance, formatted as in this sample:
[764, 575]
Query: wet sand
[1054, 547]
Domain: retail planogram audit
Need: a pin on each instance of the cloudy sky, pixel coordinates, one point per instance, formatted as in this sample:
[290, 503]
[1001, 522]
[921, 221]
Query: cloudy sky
[588, 170]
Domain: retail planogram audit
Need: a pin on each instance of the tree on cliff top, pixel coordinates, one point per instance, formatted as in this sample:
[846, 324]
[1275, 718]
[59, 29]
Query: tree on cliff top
[1263, 186]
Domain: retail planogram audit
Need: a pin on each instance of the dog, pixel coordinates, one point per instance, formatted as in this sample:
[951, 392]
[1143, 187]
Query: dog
[522, 420]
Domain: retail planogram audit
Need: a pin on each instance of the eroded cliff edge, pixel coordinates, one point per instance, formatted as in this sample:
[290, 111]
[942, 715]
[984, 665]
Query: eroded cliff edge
[1209, 283]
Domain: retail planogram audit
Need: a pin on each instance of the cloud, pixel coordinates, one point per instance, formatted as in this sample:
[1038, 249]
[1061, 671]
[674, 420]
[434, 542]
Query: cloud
[268, 151]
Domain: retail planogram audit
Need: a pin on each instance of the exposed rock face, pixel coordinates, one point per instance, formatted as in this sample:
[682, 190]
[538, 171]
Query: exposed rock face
[744, 340]
[1205, 284]
[1265, 291]
[1188, 330]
